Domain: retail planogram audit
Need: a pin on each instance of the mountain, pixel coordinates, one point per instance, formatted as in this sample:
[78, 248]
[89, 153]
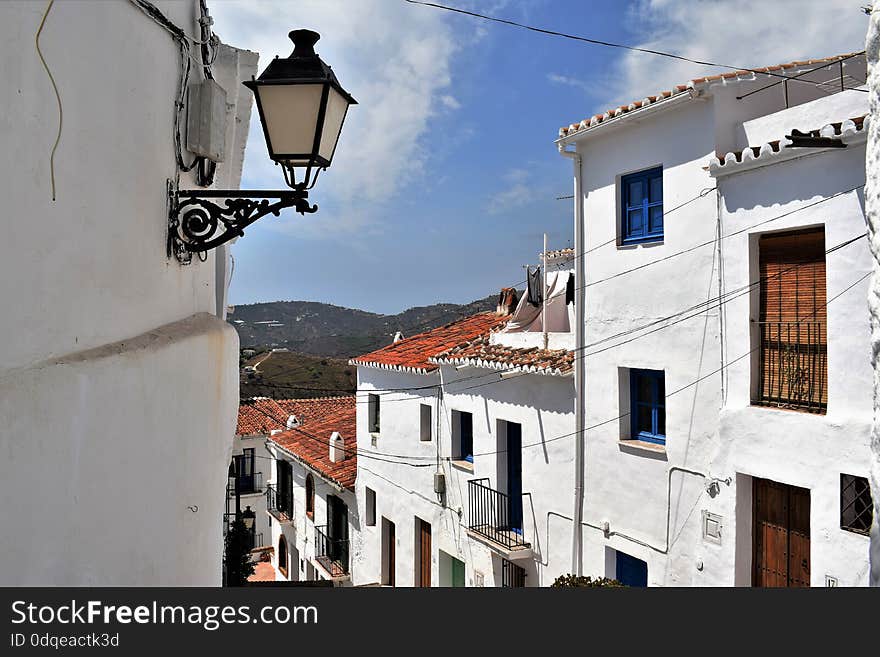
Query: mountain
[322, 329]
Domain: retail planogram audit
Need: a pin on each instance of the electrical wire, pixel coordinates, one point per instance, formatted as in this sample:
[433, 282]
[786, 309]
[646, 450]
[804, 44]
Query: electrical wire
[574, 257]
[678, 317]
[653, 262]
[609, 44]
[391, 457]
[57, 95]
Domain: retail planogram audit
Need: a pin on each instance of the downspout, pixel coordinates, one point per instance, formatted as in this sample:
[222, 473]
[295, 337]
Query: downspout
[579, 379]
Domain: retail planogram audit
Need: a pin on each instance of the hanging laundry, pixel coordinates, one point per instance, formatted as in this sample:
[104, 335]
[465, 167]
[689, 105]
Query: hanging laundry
[535, 291]
[569, 290]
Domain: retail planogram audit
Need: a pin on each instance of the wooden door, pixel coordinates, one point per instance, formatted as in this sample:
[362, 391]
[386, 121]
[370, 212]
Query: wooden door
[388, 542]
[514, 476]
[781, 534]
[423, 556]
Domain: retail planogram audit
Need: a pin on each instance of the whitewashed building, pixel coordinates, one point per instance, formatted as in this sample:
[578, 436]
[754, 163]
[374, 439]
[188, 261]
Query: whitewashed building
[118, 381]
[727, 412]
[458, 480]
[313, 519]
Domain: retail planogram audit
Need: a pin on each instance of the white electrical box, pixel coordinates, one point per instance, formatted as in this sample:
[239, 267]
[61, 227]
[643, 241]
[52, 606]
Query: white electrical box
[206, 120]
[439, 483]
[712, 527]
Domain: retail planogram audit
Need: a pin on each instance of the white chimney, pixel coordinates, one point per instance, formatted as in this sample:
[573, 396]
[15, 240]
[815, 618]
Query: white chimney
[337, 447]
[292, 422]
[398, 336]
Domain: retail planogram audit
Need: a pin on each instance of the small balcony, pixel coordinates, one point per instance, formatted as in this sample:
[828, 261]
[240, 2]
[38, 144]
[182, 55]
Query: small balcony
[793, 366]
[331, 553]
[495, 521]
[280, 505]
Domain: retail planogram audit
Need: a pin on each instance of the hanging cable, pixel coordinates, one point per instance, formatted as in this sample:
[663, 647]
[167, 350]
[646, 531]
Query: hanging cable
[609, 44]
[57, 96]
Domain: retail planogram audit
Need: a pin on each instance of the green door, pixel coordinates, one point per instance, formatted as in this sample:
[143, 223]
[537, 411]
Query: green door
[457, 572]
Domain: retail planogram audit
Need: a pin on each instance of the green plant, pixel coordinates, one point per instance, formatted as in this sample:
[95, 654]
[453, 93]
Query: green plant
[579, 580]
[238, 555]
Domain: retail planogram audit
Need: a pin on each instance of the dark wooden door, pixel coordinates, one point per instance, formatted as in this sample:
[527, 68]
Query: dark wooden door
[390, 541]
[424, 554]
[781, 534]
[514, 476]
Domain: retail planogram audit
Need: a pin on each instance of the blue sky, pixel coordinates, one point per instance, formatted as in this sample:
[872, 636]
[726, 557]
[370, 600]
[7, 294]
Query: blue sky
[446, 175]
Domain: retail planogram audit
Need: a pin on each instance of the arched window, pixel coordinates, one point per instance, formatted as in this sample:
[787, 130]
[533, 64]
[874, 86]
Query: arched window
[310, 496]
[282, 555]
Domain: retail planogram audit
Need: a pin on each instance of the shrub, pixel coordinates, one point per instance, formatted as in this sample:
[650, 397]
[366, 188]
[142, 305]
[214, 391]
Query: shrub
[579, 580]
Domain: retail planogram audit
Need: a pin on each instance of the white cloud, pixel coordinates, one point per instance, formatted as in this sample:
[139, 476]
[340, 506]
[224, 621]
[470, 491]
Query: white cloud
[742, 33]
[517, 192]
[450, 102]
[392, 57]
[569, 81]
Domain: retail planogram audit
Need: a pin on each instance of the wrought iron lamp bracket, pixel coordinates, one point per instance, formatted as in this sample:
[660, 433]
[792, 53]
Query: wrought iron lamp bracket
[197, 224]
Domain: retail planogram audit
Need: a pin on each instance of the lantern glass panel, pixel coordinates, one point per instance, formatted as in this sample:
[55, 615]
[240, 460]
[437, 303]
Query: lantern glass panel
[290, 112]
[337, 106]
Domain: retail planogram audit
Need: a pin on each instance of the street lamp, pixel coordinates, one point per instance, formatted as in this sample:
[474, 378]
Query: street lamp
[248, 517]
[302, 108]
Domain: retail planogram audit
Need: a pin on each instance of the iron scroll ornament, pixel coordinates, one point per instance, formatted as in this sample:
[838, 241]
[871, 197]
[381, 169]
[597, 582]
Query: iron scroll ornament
[197, 224]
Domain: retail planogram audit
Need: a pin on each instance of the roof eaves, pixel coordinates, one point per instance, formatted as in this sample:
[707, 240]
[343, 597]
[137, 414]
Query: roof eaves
[850, 131]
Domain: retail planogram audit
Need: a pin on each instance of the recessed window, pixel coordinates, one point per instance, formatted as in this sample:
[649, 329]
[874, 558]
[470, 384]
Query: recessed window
[310, 496]
[463, 436]
[282, 555]
[856, 505]
[373, 407]
[648, 412]
[641, 197]
[371, 507]
[425, 431]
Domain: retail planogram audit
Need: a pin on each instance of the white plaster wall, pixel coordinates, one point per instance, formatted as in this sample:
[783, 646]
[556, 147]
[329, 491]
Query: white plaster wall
[104, 454]
[632, 488]
[805, 450]
[542, 404]
[119, 381]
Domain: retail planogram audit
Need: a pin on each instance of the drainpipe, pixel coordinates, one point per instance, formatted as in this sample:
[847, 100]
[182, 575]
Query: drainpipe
[579, 379]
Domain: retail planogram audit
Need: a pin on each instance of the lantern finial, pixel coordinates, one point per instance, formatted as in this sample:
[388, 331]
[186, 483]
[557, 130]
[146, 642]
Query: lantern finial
[304, 42]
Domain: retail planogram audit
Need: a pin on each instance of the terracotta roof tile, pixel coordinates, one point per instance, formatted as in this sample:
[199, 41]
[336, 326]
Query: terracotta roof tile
[481, 353]
[695, 83]
[259, 416]
[310, 442]
[413, 354]
[838, 129]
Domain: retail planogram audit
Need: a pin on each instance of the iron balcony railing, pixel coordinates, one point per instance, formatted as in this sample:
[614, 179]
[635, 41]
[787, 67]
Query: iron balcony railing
[491, 513]
[793, 365]
[279, 504]
[512, 576]
[331, 552]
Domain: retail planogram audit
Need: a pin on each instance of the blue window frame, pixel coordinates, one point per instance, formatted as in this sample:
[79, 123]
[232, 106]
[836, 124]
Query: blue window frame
[648, 400]
[642, 205]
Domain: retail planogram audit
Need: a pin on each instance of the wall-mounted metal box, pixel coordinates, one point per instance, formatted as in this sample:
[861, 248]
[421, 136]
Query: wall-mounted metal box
[206, 120]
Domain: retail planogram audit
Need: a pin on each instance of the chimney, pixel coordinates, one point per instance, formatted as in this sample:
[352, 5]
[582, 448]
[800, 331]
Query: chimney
[337, 447]
[293, 422]
[506, 301]
[397, 337]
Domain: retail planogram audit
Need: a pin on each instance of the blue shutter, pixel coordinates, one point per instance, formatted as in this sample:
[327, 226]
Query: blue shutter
[642, 206]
